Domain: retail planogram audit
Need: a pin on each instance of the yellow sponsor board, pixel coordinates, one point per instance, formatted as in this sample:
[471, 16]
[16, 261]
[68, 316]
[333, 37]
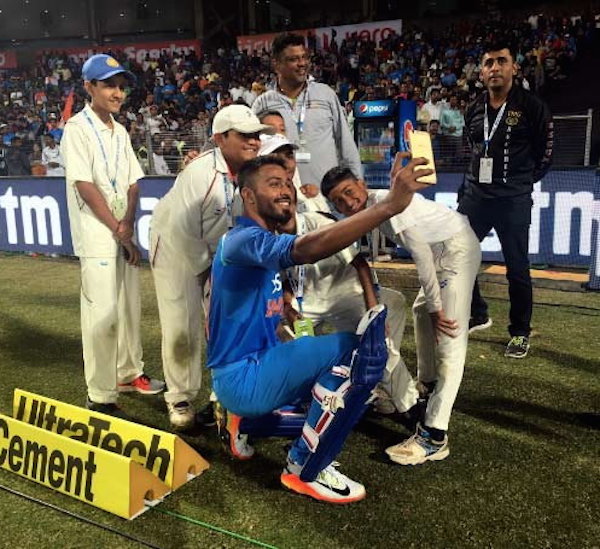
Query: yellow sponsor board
[98, 477]
[167, 456]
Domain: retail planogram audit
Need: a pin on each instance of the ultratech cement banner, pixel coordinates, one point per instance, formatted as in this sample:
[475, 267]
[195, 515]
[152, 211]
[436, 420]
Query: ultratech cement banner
[164, 454]
[137, 51]
[377, 31]
[101, 478]
[34, 218]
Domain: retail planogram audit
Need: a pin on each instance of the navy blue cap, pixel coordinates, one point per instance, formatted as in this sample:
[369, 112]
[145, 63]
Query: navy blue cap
[102, 66]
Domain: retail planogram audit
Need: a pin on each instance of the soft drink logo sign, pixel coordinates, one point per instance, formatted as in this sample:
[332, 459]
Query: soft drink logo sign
[374, 109]
[407, 128]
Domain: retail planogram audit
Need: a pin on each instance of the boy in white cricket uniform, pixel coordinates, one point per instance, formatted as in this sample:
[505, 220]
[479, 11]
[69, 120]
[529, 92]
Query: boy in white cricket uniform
[101, 178]
[185, 229]
[447, 256]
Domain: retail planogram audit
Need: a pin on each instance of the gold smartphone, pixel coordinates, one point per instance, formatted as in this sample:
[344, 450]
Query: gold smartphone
[420, 146]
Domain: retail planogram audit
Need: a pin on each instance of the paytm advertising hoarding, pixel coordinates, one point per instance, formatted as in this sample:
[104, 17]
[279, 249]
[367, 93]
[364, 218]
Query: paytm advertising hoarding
[566, 212]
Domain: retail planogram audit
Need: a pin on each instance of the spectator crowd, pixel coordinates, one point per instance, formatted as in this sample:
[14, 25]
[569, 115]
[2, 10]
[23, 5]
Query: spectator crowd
[170, 109]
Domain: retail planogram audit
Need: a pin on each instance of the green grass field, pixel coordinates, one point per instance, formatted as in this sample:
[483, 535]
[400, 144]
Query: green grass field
[523, 469]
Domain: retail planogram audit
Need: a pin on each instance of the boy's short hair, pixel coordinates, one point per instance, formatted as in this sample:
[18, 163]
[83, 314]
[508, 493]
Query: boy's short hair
[334, 177]
[270, 113]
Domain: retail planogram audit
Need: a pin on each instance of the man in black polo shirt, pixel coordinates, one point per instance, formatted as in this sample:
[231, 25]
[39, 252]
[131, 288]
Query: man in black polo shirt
[511, 135]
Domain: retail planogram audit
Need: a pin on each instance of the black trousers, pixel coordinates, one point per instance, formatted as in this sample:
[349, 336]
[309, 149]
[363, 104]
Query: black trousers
[511, 218]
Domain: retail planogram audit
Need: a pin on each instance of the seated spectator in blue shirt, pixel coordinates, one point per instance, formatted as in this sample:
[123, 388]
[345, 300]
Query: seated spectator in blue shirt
[448, 78]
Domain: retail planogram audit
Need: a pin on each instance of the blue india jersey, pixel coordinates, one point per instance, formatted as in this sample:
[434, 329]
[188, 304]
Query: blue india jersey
[246, 295]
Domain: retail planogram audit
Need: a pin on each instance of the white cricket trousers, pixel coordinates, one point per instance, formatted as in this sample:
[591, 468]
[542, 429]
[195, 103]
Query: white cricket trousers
[180, 298]
[457, 263]
[110, 325]
[344, 315]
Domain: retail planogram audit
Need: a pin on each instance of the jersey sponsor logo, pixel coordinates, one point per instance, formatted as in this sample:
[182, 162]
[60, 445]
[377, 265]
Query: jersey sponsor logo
[513, 117]
[274, 307]
[276, 283]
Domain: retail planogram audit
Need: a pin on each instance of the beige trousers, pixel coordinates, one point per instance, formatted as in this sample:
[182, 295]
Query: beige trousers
[110, 325]
[457, 261]
[180, 295]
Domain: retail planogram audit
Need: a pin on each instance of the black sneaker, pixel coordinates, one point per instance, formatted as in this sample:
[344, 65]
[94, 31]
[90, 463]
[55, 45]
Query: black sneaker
[206, 416]
[517, 347]
[110, 409]
[479, 323]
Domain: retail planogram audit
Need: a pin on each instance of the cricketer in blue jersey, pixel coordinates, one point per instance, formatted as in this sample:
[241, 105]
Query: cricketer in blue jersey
[253, 373]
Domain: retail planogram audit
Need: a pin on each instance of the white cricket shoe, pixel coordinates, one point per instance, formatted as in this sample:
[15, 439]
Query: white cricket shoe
[418, 449]
[330, 485]
[181, 415]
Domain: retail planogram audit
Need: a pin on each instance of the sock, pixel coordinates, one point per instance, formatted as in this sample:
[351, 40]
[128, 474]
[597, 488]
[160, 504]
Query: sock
[438, 435]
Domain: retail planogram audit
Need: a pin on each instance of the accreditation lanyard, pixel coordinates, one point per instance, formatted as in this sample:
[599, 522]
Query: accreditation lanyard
[371, 246]
[228, 192]
[487, 135]
[301, 117]
[113, 180]
[298, 277]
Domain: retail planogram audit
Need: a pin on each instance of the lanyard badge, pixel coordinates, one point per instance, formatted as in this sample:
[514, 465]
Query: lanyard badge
[486, 164]
[302, 154]
[228, 192]
[302, 326]
[371, 246]
[297, 276]
[118, 205]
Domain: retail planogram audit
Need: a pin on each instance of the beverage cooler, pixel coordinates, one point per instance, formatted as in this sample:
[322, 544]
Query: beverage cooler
[380, 129]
